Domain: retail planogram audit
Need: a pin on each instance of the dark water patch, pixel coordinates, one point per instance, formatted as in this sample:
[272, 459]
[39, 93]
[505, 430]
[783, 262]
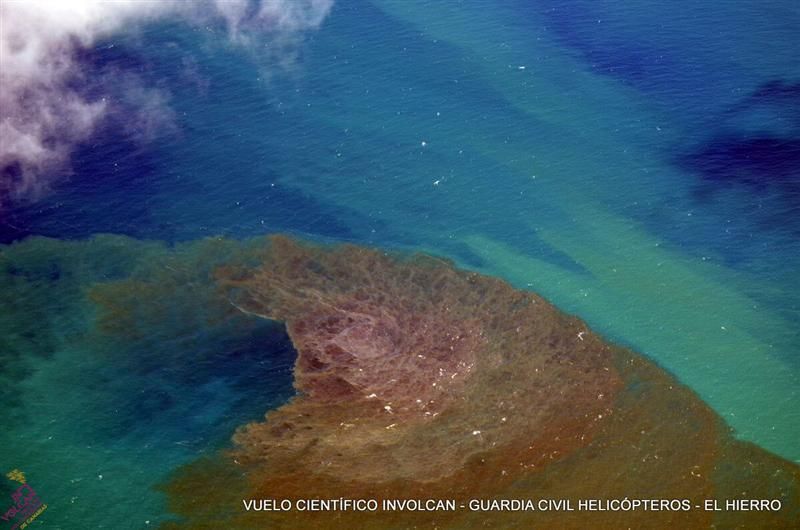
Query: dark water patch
[754, 148]
[754, 141]
[756, 162]
[768, 168]
[683, 59]
[607, 40]
[782, 96]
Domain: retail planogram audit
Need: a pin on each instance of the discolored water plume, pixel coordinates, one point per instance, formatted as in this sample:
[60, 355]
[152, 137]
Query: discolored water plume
[418, 380]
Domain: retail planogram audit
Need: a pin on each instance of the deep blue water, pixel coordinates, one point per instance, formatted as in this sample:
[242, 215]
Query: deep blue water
[637, 163]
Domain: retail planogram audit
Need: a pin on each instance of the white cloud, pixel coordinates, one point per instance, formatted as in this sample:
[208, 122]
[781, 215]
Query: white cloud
[42, 117]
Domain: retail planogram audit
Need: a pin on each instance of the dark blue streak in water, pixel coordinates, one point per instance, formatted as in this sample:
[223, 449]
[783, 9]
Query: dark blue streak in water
[761, 157]
[693, 59]
[756, 162]
[744, 148]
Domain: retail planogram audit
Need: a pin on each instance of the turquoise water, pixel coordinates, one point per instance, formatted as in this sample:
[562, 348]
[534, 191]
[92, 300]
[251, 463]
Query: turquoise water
[636, 164]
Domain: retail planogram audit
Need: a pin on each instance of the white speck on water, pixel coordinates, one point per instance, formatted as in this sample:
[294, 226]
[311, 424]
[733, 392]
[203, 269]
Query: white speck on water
[475, 433]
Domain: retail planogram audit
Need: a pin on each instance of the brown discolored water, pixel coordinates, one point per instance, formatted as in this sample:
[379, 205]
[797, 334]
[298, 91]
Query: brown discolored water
[417, 380]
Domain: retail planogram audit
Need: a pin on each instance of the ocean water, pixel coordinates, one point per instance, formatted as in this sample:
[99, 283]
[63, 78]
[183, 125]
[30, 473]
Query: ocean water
[635, 163]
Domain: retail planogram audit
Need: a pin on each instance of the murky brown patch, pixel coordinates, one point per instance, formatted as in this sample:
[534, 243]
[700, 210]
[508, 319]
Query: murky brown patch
[418, 380]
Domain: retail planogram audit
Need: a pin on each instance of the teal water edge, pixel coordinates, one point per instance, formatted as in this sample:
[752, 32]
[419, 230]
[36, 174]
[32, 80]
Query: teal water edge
[635, 164]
